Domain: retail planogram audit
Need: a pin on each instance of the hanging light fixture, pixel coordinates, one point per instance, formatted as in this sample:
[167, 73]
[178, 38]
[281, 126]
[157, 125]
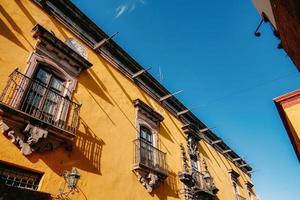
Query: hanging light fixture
[72, 178]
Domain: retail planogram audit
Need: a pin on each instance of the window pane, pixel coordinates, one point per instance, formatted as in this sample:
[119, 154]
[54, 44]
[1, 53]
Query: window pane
[143, 134]
[43, 76]
[56, 84]
[149, 138]
[146, 135]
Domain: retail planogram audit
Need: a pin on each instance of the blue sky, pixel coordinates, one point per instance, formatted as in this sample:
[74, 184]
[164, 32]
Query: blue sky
[207, 49]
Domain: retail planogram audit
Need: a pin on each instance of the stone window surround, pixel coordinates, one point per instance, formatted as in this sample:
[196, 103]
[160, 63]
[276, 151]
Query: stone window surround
[35, 59]
[234, 180]
[147, 117]
[150, 119]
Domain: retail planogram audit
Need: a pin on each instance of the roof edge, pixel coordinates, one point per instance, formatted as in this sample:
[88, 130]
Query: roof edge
[286, 96]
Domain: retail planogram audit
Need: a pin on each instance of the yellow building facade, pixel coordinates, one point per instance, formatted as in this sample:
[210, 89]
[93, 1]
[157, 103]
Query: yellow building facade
[288, 106]
[73, 99]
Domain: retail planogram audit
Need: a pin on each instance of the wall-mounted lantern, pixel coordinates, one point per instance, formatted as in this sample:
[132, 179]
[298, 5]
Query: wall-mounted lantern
[71, 178]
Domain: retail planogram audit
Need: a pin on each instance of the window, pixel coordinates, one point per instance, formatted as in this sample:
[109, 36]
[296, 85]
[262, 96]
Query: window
[44, 95]
[146, 145]
[234, 179]
[149, 162]
[249, 186]
[146, 135]
[17, 177]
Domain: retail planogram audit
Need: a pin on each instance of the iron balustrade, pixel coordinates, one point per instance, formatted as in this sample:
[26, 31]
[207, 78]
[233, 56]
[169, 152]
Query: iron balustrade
[204, 184]
[239, 197]
[146, 155]
[34, 98]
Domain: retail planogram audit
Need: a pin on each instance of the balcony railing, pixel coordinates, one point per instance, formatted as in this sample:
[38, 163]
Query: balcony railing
[40, 102]
[203, 184]
[239, 197]
[147, 156]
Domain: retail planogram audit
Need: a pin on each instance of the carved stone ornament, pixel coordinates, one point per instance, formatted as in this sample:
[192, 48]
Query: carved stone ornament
[28, 139]
[76, 46]
[192, 144]
[31, 136]
[183, 158]
[150, 181]
[196, 185]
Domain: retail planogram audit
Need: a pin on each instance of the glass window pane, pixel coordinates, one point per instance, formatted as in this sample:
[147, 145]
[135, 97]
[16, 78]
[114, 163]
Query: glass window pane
[56, 84]
[146, 135]
[143, 134]
[43, 76]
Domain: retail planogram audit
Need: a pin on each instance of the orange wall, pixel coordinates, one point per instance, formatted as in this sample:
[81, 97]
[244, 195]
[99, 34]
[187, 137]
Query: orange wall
[292, 114]
[103, 152]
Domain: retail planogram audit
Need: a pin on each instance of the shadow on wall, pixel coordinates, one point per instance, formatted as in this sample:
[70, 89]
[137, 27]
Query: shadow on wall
[107, 67]
[175, 124]
[90, 146]
[169, 188]
[89, 79]
[86, 154]
[59, 28]
[114, 77]
[7, 33]
[210, 156]
[94, 86]
[26, 12]
[165, 132]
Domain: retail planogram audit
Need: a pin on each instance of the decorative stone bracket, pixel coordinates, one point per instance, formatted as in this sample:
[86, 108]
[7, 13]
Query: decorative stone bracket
[29, 137]
[149, 180]
[192, 144]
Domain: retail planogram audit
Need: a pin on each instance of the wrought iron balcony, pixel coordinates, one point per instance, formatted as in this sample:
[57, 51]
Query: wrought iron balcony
[31, 98]
[200, 184]
[149, 158]
[239, 197]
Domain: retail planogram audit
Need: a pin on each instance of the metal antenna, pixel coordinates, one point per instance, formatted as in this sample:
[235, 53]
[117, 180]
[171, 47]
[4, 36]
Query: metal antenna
[161, 76]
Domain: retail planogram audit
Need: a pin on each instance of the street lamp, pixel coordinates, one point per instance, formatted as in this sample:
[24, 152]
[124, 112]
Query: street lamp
[72, 178]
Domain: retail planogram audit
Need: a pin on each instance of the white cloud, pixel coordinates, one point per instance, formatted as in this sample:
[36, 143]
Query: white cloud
[129, 6]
